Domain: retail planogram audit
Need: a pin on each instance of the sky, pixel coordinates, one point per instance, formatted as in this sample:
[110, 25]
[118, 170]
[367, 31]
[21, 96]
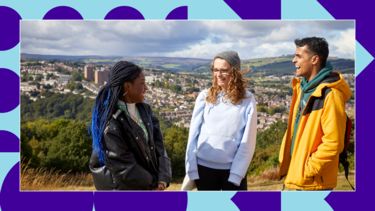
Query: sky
[190, 39]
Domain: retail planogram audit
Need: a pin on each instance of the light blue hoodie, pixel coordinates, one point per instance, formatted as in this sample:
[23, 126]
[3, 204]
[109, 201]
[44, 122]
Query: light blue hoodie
[222, 136]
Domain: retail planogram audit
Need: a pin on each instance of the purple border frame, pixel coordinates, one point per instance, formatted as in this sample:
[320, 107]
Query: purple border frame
[358, 10]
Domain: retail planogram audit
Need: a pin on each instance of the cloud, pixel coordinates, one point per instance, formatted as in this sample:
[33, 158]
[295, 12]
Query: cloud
[204, 49]
[344, 45]
[274, 49]
[200, 39]
[334, 25]
[281, 34]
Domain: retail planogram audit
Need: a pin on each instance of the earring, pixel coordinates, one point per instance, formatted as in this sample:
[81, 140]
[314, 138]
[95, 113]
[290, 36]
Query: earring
[125, 93]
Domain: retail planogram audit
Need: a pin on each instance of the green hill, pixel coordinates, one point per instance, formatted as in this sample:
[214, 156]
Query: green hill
[283, 65]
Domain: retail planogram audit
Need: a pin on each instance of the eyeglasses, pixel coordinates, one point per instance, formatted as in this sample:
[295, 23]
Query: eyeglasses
[223, 72]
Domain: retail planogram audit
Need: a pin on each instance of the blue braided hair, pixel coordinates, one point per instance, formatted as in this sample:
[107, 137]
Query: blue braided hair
[106, 100]
[99, 115]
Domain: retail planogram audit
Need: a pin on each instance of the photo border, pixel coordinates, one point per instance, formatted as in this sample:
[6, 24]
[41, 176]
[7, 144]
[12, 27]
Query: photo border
[12, 199]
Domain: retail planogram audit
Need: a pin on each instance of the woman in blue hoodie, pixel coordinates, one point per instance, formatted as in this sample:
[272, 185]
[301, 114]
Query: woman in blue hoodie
[222, 133]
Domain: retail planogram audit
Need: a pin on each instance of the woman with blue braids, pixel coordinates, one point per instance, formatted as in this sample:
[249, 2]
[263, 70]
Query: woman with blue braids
[128, 149]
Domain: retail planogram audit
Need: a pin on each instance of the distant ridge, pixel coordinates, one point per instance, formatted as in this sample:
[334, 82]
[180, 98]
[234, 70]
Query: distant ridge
[281, 65]
[64, 58]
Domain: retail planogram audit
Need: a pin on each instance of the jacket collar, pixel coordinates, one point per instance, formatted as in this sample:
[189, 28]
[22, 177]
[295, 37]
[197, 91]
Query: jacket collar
[309, 86]
[330, 80]
[146, 119]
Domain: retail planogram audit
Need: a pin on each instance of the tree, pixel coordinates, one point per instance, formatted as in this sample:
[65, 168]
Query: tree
[76, 76]
[26, 150]
[55, 105]
[175, 140]
[62, 70]
[49, 76]
[59, 144]
[47, 86]
[38, 77]
[78, 86]
[262, 108]
[267, 148]
[70, 150]
[24, 77]
[71, 85]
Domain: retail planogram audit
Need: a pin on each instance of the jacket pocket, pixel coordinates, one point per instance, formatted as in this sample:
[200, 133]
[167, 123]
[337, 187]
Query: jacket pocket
[102, 178]
[307, 169]
[308, 178]
[135, 178]
[218, 149]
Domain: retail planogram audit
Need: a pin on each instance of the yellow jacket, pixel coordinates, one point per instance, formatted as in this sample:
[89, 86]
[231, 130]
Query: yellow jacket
[319, 138]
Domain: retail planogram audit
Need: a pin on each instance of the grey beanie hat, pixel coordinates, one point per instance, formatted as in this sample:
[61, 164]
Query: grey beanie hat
[231, 57]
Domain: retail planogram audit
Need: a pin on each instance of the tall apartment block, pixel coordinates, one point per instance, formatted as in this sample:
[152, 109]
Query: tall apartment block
[89, 72]
[102, 76]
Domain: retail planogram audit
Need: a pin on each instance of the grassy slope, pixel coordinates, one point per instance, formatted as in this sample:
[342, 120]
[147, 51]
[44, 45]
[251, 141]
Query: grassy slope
[32, 179]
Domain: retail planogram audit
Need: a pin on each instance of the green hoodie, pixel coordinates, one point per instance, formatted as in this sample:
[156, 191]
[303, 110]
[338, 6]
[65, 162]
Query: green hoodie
[308, 87]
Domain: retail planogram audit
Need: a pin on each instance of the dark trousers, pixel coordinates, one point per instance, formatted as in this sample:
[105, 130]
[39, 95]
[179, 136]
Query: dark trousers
[216, 179]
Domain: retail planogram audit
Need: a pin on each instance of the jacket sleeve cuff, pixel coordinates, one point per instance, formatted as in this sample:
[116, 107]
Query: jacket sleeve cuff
[193, 175]
[235, 179]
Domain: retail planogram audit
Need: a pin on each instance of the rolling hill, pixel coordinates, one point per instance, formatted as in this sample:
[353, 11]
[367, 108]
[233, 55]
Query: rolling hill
[261, 66]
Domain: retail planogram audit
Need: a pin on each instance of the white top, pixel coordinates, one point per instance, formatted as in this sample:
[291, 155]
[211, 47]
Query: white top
[222, 136]
[132, 110]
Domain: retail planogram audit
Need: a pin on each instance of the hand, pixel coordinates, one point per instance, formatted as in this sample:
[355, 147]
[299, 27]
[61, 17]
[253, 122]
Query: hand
[188, 184]
[161, 186]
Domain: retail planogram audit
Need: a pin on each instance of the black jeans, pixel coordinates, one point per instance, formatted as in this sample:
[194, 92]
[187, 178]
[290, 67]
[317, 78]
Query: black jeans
[217, 179]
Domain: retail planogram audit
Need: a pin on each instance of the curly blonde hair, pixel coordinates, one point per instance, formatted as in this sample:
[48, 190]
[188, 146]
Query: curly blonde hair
[236, 88]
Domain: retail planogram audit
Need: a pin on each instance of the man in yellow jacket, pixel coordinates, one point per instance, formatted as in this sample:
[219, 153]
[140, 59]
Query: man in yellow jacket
[309, 153]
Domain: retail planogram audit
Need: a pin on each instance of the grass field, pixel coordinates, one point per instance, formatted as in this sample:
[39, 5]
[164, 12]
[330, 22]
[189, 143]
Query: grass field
[37, 179]
[258, 184]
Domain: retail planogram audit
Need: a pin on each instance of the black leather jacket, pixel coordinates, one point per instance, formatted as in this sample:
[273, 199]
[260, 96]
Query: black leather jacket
[132, 163]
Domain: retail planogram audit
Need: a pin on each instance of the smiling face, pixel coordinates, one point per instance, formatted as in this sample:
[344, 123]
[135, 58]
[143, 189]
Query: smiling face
[135, 90]
[222, 72]
[306, 62]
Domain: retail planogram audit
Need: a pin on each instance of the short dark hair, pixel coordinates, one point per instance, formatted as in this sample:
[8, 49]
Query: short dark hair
[317, 45]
